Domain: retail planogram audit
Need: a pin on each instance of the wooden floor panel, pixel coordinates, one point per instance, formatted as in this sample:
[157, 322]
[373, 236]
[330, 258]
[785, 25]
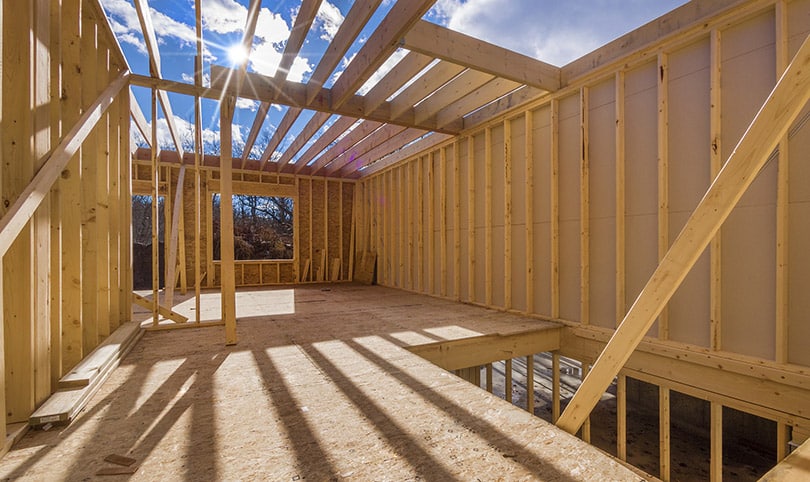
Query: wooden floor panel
[318, 388]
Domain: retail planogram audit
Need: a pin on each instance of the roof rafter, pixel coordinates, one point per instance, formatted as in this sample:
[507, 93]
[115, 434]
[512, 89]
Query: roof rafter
[283, 127]
[145, 18]
[380, 45]
[260, 87]
[340, 126]
[381, 150]
[426, 143]
[437, 76]
[303, 21]
[434, 40]
[405, 70]
[303, 137]
[352, 138]
[482, 96]
[365, 145]
[466, 82]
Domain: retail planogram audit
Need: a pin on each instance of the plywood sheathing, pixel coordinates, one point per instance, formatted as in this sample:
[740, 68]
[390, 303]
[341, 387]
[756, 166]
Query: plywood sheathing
[325, 393]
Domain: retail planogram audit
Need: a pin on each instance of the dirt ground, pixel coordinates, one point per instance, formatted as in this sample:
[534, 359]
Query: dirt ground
[690, 448]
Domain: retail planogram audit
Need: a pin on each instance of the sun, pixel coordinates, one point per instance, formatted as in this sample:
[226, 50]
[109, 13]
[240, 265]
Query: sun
[237, 54]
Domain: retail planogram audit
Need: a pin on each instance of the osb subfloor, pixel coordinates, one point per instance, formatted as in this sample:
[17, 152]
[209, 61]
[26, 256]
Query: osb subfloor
[318, 388]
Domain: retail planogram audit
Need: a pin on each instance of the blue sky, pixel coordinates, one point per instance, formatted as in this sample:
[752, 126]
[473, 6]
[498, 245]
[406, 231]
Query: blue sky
[553, 31]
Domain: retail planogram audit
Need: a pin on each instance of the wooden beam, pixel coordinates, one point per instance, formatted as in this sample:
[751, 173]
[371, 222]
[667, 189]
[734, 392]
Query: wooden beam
[343, 149]
[507, 382]
[402, 73]
[171, 263]
[471, 218]
[554, 181]
[530, 384]
[379, 46]
[488, 216]
[507, 213]
[665, 454]
[443, 261]
[528, 153]
[359, 14]
[386, 140]
[584, 208]
[228, 290]
[436, 41]
[163, 311]
[767, 129]
[456, 222]
[663, 176]
[341, 125]
[148, 29]
[782, 202]
[140, 120]
[428, 142]
[715, 164]
[457, 88]
[436, 76]
[261, 88]
[555, 386]
[716, 436]
[621, 417]
[494, 89]
[306, 133]
[621, 204]
[505, 104]
[281, 131]
[486, 349]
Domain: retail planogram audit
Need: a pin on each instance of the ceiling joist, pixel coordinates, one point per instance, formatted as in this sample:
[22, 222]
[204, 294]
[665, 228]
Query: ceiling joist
[436, 41]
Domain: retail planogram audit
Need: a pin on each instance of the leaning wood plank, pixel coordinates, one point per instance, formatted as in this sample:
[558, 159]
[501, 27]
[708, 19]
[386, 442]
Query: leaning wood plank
[29, 200]
[117, 471]
[63, 406]
[175, 231]
[766, 130]
[162, 310]
[93, 364]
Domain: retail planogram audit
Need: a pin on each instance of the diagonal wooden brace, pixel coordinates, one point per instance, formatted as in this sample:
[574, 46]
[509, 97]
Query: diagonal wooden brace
[763, 135]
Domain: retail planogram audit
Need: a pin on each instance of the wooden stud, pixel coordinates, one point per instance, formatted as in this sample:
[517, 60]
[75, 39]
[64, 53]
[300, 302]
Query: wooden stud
[507, 382]
[665, 454]
[325, 253]
[198, 157]
[507, 216]
[716, 459]
[390, 274]
[41, 222]
[90, 165]
[155, 174]
[489, 377]
[403, 220]
[530, 384]
[663, 175]
[621, 221]
[340, 227]
[431, 224]
[56, 132]
[488, 215]
[555, 386]
[411, 187]
[443, 221]
[471, 219]
[226, 255]
[715, 164]
[209, 227]
[621, 417]
[584, 207]
[782, 440]
[19, 290]
[456, 222]
[586, 426]
[529, 203]
[174, 235]
[555, 208]
[420, 237]
[763, 135]
[782, 201]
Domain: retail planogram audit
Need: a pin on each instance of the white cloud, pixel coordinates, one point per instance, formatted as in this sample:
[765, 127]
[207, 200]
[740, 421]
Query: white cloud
[328, 20]
[223, 16]
[552, 31]
[247, 104]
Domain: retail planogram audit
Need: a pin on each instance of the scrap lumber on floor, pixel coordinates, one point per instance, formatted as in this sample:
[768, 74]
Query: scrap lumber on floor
[320, 387]
[80, 384]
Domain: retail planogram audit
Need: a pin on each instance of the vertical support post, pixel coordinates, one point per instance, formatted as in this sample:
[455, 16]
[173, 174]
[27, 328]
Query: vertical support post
[420, 222]
[584, 209]
[488, 214]
[456, 222]
[72, 350]
[489, 377]
[228, 291]
[664, 432]
[507, 383]
[56, 36]
[586, 426]
[529, 158]
[716, 468]
[621, 222]
[410, 187]
[431, 224]
[325, 256]
[198, 156]
[155, 175]
[555, 386]
[621, 417]
[471, 218]
[507, 215]
[663, 176]
[554, 181]
[101, 206]
[443, 221]
[530, 384]
[782, 200]
[782, 439]
[715, 164]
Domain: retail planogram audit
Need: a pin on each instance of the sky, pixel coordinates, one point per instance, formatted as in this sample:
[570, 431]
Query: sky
[553, 31]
